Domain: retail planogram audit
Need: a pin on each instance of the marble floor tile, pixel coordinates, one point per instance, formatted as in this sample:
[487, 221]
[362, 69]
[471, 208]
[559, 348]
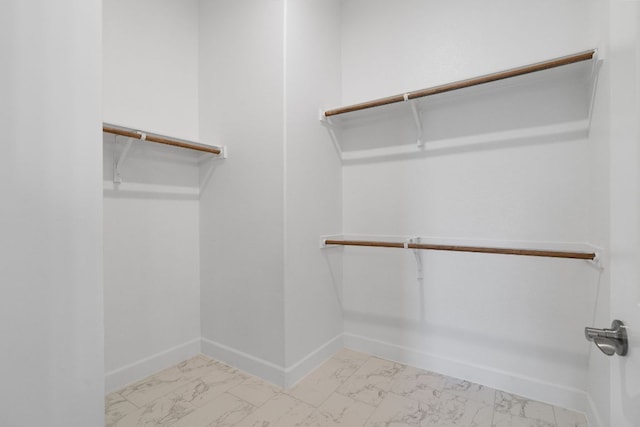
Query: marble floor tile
[567, 418]
[507, 420]
[398, 411]
[225, 411]
[372, 381]
[282, 411]
[470, 390]
[316, 387]
[203, 390]
[456, 411]
[507, 403]
[417, 384]
[165, 411]
[116, 407]
[352, 356]
[255, 391]
[339, 410]
[164, 382]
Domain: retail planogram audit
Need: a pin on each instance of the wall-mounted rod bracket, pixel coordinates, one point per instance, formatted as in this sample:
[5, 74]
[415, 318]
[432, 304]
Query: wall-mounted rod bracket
[209, 158]
[416, 119]
[597, 261]
[323, 240]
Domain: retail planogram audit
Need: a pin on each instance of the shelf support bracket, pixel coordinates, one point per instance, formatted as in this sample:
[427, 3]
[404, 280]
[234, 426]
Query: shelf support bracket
[595, 73]
[418, 255]
[119, 161]
[416, 119]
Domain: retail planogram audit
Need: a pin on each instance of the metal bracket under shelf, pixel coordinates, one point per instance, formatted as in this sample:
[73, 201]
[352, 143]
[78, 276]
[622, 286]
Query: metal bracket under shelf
[416, 119]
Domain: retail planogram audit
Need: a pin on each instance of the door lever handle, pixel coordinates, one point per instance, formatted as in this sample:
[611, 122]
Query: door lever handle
[609, 341]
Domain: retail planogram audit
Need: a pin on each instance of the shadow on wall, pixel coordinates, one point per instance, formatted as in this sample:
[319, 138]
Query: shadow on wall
[478, 143]
[630, 403]
[498, 344]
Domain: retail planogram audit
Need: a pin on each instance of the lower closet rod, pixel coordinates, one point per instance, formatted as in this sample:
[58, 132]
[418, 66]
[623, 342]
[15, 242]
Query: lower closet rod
[479, 249]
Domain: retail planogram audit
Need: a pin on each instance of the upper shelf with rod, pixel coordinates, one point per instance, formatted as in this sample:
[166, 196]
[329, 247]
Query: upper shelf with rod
[160, 139]
[549, 94]
[211, 151]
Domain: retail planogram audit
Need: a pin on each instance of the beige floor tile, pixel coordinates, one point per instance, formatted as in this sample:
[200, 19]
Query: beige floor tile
[455, 411]
[165, 411]
[372, 381]
[470, 390]
[226, 410]
[203, 390]
[567, 418]
[512, 404]
[166, 381]
[116, 407]
[507, 420]
[352, 356]
[281, 411]
[255, 391]
[316, 387]
[417, 384]
[339, 410]
[398, 411]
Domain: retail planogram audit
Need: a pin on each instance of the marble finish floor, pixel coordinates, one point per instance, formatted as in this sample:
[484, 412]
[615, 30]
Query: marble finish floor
[350, 389]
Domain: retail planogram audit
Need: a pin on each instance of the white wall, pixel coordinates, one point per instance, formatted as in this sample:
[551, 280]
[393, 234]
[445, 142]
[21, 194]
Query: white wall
[242, 205]
[51, 217]
[151, 221]
[512, 323]
[270, 297]
[414, 44]
[313, 179]
[150, 68]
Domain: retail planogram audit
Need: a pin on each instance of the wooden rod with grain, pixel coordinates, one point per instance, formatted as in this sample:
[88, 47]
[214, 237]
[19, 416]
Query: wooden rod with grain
[364, 243]
[514, 72]
[477, 249]
[160, 140]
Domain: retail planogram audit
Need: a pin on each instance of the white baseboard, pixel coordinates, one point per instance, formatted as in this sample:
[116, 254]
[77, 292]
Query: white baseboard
[128, 374]
[310, 362]
[593, 416]
[531, 388]
[253, 365]
[276, 374]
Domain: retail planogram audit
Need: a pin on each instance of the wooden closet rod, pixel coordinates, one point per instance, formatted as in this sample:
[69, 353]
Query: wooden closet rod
[565, 60]
[479, 249]
[160, 140]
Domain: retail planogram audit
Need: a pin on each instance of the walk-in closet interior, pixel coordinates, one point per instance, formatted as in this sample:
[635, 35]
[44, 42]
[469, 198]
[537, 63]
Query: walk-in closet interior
[371, 190]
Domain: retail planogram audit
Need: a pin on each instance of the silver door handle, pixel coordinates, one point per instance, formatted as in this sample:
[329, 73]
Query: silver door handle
[609, 341]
